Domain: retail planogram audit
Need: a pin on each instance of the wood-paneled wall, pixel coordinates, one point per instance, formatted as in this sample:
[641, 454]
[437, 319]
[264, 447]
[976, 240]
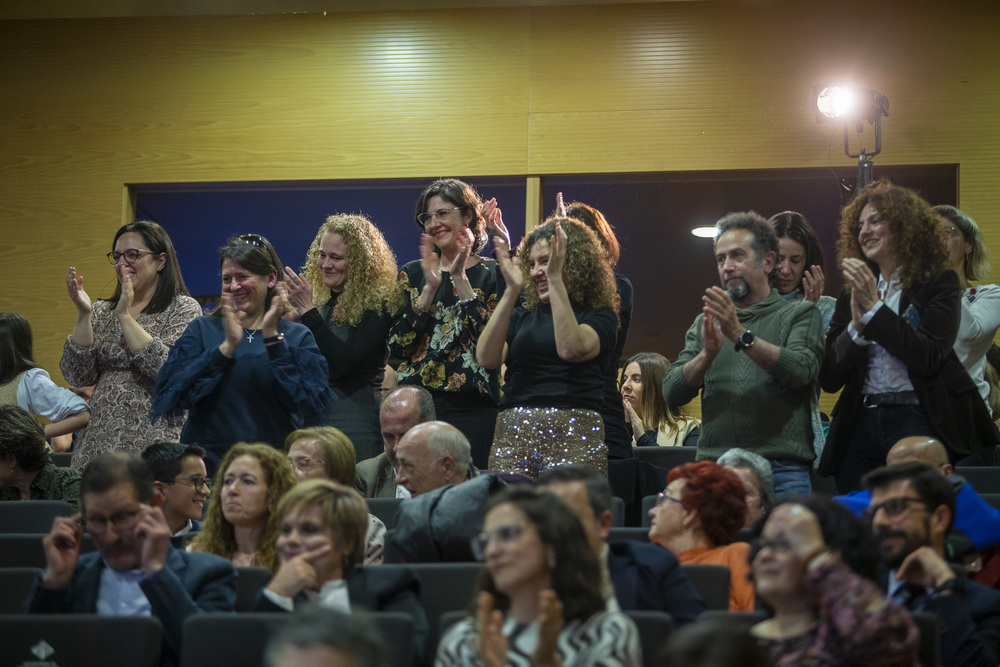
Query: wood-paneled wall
[91, 105]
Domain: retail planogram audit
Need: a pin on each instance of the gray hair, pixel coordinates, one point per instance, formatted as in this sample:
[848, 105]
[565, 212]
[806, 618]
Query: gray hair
[353, 633]
[741, 458]
[977, 262]
[764, 239]
[411, 392]
[442, 442]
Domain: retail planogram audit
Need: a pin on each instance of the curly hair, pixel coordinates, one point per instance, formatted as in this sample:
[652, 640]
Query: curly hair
[594, 219]
[576, 574]
[977, 260]
[915, 241]
[656, 414]
[371, 269]
[718, 496]
[339, 457]
[587, 273]
[343, 509]
[218, 535]
[460, 194]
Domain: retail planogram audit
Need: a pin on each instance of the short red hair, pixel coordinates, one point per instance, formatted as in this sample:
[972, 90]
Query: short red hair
[718, 496]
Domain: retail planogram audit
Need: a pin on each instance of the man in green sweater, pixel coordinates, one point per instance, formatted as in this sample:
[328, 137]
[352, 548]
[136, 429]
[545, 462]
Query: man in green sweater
[756, 387]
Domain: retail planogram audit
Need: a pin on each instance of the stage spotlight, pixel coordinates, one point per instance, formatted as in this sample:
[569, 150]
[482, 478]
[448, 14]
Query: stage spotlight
[848, 104]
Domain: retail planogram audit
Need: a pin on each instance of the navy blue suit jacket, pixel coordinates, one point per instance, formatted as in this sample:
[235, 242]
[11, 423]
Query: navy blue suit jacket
[189, 583]
[647, 576]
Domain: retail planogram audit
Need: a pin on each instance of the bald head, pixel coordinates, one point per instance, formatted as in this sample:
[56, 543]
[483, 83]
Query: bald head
[922, 448]
[432, 455]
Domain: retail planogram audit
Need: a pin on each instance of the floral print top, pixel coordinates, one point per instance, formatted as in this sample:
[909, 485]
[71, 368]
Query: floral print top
[437, 349]
[857, 626]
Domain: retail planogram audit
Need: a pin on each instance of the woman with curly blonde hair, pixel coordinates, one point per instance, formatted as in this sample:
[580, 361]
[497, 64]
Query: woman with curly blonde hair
[348, 297]
[242, 524]
[556, 346]
[891, 337]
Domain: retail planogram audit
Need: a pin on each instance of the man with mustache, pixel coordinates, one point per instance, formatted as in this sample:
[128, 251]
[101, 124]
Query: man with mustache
[912, 510]
[756, 387]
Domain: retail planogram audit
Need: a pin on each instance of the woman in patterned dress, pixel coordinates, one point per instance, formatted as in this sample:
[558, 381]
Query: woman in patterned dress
[452, 291]
[120, 343]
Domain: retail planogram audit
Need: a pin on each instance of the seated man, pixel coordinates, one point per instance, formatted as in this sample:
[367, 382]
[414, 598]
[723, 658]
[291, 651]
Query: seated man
[638, 575]
[179, 475]
[324, 638]
[402, 409]
[912, 510]
[135, 570]
[432, 455]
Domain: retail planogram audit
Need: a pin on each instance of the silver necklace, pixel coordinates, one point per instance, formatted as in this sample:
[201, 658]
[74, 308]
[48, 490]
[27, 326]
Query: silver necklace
[250, 335]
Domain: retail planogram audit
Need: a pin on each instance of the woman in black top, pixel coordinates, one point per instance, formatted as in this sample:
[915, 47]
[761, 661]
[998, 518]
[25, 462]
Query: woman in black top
[350, 272]
[556, 347]
[452, 290]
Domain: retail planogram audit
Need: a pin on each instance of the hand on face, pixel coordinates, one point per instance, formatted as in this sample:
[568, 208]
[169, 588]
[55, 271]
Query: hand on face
[62, 550]
[74, 284]
[800, 527]
[298, 573]
[638, 428]
[299, 291]
[924, 567]
[153, 537]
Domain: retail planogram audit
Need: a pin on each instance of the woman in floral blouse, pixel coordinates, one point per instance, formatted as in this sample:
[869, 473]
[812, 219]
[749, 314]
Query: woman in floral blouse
[119, 344]
[452, 291]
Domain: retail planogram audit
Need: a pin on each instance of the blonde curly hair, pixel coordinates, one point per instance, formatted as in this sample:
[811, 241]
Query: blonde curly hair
[587, 273]
[218, 535]
[371, 269]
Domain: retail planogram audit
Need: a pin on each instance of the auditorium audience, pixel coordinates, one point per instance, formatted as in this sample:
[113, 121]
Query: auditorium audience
[119, 344]
[697, 518]
[653, 422]
[539, 600]
[755, 473]
[402, 409]
[244, 373]
[450, 293]
[890, 347]
[432, 455]
[26, 468]
[179, 476]
[555, 345]
[348, 296]
[241, 524]
[324, 452]
[815, 564]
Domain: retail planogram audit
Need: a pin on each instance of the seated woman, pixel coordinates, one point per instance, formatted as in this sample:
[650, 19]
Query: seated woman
[324, 452]
[240, 525]
[556, 348]
[697, 518]
[814, 564]
[26, 468]
[320, 545]
[653, 422]
[539, 599]
[243, 372]
[758, 480]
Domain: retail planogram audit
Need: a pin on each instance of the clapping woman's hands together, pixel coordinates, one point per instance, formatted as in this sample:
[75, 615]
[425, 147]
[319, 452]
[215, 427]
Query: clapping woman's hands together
[491, 644]
[279, 304]
[232, 325]
[430, 263]
[510, 267]
[299, 291]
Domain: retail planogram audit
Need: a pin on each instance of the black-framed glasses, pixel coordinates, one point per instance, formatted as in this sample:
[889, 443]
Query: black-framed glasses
[124, 521]
[892, 507]
[663, 497]
[499, 535]
[131, 255]
[440, 214]
[199, 482]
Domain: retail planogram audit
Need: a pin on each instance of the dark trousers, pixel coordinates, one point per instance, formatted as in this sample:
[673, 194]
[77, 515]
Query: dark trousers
[476, 419]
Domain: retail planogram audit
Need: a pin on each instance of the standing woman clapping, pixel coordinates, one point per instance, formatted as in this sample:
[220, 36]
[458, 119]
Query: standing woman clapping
[119, 344]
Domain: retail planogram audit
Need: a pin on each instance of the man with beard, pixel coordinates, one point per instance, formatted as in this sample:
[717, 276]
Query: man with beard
[912, 510]
[756, 387]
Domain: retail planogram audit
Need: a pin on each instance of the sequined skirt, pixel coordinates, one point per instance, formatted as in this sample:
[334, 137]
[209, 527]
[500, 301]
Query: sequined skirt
[531, 440]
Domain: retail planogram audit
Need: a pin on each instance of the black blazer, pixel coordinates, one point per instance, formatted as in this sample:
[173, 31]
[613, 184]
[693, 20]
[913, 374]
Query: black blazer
[923, 338]
[649, 577]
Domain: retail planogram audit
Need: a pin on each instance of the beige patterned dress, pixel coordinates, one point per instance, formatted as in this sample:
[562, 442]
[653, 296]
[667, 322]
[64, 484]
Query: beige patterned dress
[119, 409]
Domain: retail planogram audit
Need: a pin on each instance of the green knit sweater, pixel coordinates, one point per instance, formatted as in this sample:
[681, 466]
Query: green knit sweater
[742, 404]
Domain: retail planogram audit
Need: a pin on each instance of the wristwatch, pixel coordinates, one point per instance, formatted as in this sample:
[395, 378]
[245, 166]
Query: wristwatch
[745, 340]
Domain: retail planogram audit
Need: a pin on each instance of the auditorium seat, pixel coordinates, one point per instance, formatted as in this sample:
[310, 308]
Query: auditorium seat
[712, 582]
[249, 582]
[25, 549]
[15, 584]
[665, 457]
[80, 639]
[31, 516]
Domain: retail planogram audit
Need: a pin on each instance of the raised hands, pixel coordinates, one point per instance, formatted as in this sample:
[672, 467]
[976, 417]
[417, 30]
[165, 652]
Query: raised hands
[638, 428]
[457, 267]
[232, 325]
[299, 573]
[430, 263]
[62, 550]
[494, 221]
[77, 295]
[510, 267]
[153, 535]
[864, 289]
[279, 303]
[813, 282]
[550, 625]
[557, 255]
[491, 644]
[717, 304]
[560, 206]
[299, 291]
[126, 297]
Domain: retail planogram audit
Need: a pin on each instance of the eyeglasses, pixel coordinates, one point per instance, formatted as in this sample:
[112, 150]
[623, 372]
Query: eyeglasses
[199, 482]
[131, 255]
[499, 535]
[124, 521]
[664, 497]
[779, 543]
[949, 232]
[440, 214]
[303, 463]
[893, 507]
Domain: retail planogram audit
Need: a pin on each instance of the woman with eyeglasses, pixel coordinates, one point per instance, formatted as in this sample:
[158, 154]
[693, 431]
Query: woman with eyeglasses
[243, 372]
[325, 452]
[815, 564]
[320, 547]
[890, 348]
[970, 260]
[241, 524]
[348, 297]
[119, 344]
[539, 601]
[451, 292]
[698, 516]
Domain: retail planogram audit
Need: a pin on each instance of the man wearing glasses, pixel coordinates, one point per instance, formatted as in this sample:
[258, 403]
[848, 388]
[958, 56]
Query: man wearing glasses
[912, 510]
[135, 570]
[179, 476]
